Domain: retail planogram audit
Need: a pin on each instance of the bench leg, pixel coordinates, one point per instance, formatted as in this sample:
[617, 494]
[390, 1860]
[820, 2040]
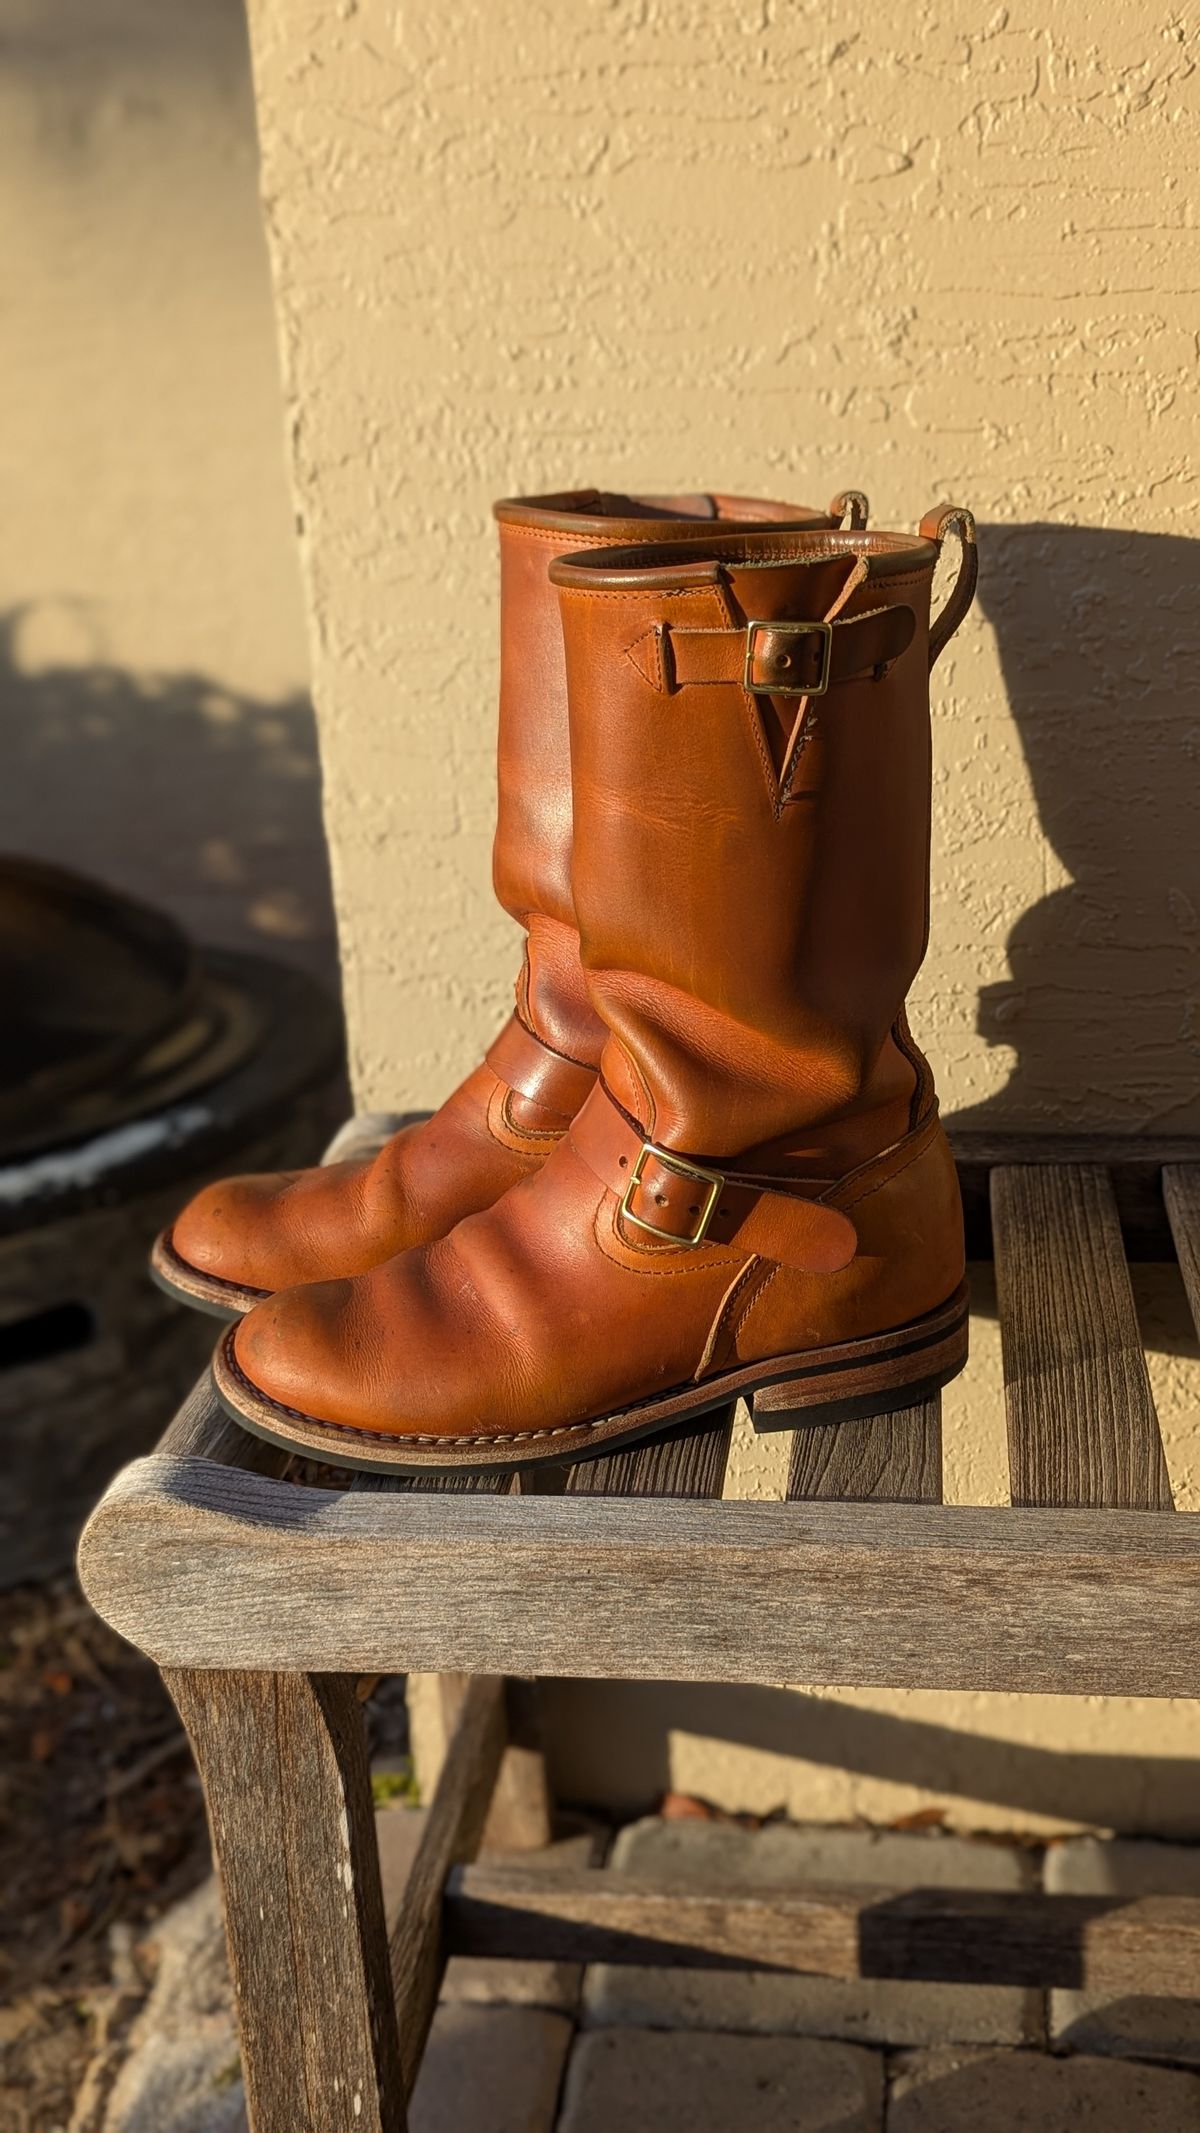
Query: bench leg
[282, 1758]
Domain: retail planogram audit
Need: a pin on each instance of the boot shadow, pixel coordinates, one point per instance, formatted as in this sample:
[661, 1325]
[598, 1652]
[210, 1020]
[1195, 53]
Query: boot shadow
[1099, 640]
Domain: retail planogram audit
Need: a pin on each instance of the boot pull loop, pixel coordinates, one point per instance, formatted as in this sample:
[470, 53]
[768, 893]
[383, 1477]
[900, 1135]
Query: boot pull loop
[935, 526]
[850, 510]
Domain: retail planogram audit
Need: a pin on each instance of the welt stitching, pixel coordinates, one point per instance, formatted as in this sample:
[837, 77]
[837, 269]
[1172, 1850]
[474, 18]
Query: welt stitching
[403, 1437]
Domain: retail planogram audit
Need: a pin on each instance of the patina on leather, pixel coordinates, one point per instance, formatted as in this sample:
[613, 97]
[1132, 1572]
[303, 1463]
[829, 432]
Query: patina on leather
[759, 1172]
[247, 1236]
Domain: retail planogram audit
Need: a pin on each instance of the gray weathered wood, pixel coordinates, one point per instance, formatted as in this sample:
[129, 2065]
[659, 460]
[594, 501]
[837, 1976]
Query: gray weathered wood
[967, 1936]
[1134, 1161]
[894, 1458]
[495, 1484]
[1082, 1428]
[283, 1762]
[202, 1430]
[1115, 1150]
[452, 1832]
[200, 1564]
[684, 1462]
[1181, 1192]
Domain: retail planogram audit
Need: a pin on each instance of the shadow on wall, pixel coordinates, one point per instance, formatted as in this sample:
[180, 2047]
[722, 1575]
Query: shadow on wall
[172, 788]
[1099, 640]
[612, 1741]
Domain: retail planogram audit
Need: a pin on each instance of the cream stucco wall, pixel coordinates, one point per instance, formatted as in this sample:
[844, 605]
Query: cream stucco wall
[948, 250]
[154, 719]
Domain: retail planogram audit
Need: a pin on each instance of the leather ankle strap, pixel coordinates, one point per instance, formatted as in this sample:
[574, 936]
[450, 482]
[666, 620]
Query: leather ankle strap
[780, 658]
[530, 1068]
[687, 1204]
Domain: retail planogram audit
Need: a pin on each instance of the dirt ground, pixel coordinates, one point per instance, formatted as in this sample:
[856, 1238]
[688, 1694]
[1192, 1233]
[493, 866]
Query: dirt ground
[101, 1827]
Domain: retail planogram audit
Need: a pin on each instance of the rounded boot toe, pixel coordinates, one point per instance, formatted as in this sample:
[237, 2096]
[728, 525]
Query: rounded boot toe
[226, 1231]
[290, 1350]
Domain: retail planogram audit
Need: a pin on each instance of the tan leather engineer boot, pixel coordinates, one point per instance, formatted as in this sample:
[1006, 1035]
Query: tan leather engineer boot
[239, 1240]
[757, 1196]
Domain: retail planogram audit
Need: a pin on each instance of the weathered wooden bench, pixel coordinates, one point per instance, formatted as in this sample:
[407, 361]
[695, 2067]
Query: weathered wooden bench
[270, 1603]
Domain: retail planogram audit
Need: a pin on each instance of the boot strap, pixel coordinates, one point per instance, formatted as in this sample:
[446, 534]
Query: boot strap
[687, 1204]
[785, 658]
[530, 1068]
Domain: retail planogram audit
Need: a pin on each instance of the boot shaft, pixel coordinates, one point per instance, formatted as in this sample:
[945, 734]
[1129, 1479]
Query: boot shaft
[532, 853]
[752, 820]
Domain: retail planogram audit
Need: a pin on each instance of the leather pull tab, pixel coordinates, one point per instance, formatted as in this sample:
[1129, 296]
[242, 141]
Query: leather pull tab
[850, 510]
[936, 526]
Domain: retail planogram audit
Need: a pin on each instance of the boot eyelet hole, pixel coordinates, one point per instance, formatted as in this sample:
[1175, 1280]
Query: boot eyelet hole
[623, 1160]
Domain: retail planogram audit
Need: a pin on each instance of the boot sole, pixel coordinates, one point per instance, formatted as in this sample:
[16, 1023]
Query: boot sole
[850, 1380]
[187, 1284]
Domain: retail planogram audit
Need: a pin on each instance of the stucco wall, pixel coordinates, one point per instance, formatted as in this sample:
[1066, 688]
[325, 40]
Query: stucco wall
[154, 719]
[945, 251]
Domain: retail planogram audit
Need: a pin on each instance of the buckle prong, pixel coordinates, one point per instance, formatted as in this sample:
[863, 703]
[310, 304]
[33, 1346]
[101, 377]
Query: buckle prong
[714, 1180]
[823, 630]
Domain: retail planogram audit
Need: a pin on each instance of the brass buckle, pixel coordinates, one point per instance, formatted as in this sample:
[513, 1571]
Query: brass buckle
[714, 1179]
[823, 630]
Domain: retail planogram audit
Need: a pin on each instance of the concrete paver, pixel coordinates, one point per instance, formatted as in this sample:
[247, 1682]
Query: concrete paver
[490, 2070]
[654, 2081]
[951, 2091]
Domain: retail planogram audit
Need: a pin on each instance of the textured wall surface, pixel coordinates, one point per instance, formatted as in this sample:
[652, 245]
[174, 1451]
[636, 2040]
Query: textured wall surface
[780, 247]
[154, 721]
[938, 250]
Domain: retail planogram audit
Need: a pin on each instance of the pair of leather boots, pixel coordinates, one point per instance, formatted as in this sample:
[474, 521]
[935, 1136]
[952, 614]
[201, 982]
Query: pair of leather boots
[703, 1158]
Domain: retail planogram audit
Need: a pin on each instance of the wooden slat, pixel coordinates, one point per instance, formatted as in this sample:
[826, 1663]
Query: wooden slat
[284, 1766]
[498, 1484]
[453, 1828]
[1134, 1161]
[1181, 1193]
[688, 1461]
[202, 1430]
[1082, 1429]
[202, 1565]
[894, 1458]
[969, 1936]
